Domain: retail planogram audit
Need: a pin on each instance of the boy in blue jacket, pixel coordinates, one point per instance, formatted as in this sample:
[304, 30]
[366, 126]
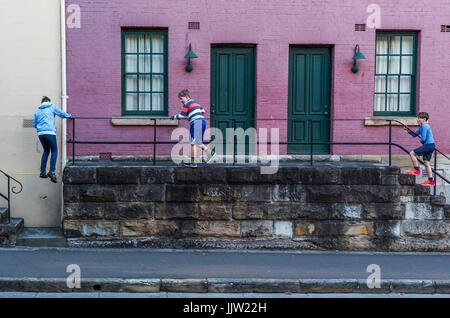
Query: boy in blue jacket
[44, 122]
[427, 149]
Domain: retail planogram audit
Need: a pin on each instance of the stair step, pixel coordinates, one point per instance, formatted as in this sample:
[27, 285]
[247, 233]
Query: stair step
[13, 228]
[41, 237]
[3, 214]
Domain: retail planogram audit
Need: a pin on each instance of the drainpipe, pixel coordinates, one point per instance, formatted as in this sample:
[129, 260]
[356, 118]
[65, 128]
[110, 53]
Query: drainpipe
[63, 94]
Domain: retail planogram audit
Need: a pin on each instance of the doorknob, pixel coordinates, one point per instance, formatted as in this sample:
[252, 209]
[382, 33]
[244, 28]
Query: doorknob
[213, 108]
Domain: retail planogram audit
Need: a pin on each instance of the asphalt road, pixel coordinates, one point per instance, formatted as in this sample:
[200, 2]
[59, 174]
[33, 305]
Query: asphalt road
[148, 263]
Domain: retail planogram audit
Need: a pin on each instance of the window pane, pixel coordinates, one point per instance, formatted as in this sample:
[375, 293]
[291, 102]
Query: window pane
[380, 102]
[394, 45]
[144, 63]
[407, 64]
[144, 83]
[157, 43]
[130, 43]
[131, 63]
[131, 83]
[144, 102]
[144, 43]
[392, 102]
[131, 101]
[382, 44]
[392, 86]
[381, 65]
[380, 84]
[405, 102]
[407, 45]
[157, 102]
[394, 64]
[158, 64]
[158, 83]
[405, 84]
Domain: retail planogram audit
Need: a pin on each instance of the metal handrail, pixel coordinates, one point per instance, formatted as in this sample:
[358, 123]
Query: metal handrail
[10, 189]
[311, 143]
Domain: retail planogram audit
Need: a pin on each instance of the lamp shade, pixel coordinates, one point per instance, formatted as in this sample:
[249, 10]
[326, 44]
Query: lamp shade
[358, 55]
[190, 54]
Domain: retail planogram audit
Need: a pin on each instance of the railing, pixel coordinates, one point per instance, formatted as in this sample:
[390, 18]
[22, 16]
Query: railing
[311, 142]
[10, 189]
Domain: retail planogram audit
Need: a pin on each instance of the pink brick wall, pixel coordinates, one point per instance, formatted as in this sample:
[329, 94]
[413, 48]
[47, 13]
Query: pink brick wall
[94, 67]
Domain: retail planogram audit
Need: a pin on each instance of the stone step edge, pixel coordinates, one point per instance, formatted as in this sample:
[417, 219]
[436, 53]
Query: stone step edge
[225, 285]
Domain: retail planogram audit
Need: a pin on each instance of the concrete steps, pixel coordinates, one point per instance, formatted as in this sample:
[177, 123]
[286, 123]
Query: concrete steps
[12, 229]
[3, 214]
[41, 237]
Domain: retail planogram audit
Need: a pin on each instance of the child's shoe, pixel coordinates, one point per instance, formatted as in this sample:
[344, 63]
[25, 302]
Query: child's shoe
[52, 176]
[428, 182]
[43, 175]
[414, 171]
[190, 164]
[213, 154]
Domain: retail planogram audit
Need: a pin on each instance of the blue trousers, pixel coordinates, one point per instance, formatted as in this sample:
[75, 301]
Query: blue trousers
[49, 144]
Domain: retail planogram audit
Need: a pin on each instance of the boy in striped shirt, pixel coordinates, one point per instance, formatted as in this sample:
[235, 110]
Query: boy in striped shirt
[194, 113]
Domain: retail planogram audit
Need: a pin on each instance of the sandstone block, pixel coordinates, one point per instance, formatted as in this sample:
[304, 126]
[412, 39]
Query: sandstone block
[83, 211]
[157, 175]
[165, 211]
[256, 229]
[142, 228]
[128, 210]
[210, 229]
[333, 228]
[76, 228]
[205, 175]
[214, 211]
[140, 193]
[80, 175]
[182, 193]
[118, 175]
[425, 229]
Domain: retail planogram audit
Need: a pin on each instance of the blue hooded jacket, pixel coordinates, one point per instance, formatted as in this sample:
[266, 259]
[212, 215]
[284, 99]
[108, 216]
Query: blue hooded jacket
[44, 118]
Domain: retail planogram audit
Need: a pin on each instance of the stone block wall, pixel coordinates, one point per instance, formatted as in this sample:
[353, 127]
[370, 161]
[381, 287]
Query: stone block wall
[300, 207]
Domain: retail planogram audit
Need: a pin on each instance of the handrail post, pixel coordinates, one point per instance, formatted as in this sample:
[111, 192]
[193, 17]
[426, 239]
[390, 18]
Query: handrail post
[73, 141]
[234, 142]
[311, 142]
[390, 143]
[435, 167]
[154, 141]
[9, 200]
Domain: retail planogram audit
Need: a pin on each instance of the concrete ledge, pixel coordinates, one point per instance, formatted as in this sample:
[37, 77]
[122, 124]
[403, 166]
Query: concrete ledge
[143, 121]
[225, 285]
[382, 121]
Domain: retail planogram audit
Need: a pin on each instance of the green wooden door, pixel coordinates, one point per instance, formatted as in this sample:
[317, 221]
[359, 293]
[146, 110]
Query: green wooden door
[309, 98]
[232, 88]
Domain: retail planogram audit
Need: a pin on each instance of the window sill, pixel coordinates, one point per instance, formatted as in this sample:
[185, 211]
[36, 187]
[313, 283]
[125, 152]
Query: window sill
[143, 121]
[382, 121]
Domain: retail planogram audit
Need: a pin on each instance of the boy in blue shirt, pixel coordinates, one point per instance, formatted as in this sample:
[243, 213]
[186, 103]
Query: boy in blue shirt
[427, 149]
[44, 122]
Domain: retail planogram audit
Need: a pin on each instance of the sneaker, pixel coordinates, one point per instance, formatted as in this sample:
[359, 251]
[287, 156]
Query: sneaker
[190, 164]
[52, 176]
[428, 182]
[414, 171]
[43, 175]
[210, 158]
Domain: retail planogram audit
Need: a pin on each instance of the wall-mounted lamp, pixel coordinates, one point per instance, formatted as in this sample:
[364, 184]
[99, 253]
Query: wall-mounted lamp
[190, 55]
[358, 56]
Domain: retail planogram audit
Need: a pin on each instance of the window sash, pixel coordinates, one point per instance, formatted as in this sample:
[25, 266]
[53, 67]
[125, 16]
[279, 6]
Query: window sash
[393, 98]
[148, 94]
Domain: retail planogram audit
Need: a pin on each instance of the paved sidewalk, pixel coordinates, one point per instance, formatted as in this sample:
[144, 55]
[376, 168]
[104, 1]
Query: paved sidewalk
[199, 271]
